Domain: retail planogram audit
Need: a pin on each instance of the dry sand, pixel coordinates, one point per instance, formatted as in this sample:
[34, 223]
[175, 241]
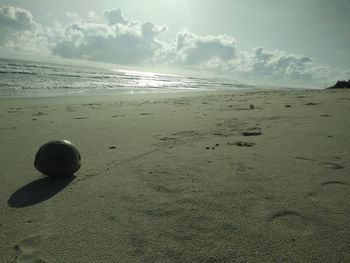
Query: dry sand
[192, 177]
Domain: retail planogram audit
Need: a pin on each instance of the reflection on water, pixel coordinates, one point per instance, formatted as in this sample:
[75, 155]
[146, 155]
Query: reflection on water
[24, 78]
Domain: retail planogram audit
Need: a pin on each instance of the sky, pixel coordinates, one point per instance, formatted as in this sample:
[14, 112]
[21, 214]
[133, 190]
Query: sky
[290, 42]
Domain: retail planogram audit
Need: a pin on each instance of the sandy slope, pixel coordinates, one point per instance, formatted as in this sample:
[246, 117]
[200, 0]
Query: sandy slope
[193, 177]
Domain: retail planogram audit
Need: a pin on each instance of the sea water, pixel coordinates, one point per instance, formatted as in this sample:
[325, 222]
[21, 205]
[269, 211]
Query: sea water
[37, 79]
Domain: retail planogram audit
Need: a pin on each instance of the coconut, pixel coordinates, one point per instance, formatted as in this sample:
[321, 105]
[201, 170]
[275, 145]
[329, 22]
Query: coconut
[58, 159]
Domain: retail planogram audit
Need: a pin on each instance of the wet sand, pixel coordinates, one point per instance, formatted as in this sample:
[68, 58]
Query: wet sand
[259, 176]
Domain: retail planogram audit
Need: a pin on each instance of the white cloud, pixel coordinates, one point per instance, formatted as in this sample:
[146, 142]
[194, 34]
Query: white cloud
[116, 39]
[93, 17]
[221, 54]
[16, 18]
[190, 49]
[18, 31]
[14, 22]
[288, 68]
[115, 17]
[277, 65]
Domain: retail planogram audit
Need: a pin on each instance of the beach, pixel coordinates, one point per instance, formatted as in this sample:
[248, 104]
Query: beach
[205, 176]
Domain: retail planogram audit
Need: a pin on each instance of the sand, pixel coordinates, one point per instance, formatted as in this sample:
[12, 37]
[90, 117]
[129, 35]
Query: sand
[185, 177]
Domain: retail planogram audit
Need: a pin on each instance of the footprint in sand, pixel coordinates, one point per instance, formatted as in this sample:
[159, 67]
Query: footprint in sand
[312, 103]
[290, 223]
[187, 133]
[167, 139]
[28, 250]
[333, 183]
[331, 165]
[251, 133]
[303, 158]
[39, 114]
[242, 144]
[80, 118]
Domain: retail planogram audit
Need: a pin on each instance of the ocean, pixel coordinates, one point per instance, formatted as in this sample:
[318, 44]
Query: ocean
[37, 79]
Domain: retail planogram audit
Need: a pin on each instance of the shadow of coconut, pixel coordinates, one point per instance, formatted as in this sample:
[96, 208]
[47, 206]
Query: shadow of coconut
[38, 191]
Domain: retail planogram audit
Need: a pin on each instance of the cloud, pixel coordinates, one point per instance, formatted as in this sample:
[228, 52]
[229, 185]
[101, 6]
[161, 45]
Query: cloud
[117, 41]
[14, 21]
[115, 17]
[19, 32]
[277, 65]
[190, 49]
[93, 17]
[15, 18]
[221, 54]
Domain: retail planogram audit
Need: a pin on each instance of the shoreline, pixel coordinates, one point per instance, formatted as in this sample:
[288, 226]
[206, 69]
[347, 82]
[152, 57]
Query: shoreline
[175, 177]
[163, 92]
[156, 95]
